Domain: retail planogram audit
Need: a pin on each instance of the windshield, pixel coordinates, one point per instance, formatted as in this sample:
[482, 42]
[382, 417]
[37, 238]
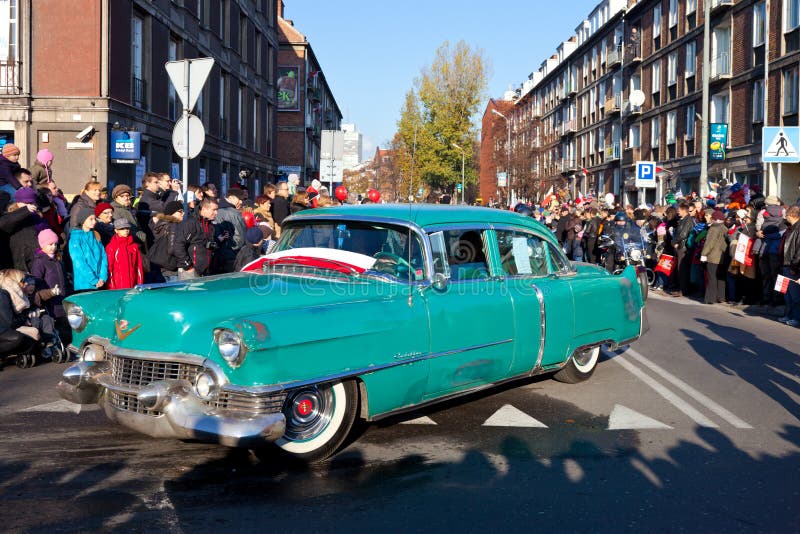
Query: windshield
[384, 246]
[629, 234]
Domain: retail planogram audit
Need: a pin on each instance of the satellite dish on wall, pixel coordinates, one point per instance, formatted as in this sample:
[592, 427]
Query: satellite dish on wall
[637, 97]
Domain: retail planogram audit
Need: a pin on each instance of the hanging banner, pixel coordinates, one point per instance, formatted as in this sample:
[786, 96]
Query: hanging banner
[717, 140]
[288, 89]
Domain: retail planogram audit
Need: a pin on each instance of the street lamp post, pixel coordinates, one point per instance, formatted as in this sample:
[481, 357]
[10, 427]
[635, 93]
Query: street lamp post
[462, 170]
[508, 152]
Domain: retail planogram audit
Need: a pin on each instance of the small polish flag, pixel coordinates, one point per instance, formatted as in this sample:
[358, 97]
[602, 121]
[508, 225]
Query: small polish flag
[580, 200]
[585, 172]
[782, 284]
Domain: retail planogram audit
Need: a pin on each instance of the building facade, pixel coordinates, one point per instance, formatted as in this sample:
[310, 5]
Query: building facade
[305, 104]
[627, 87]
[97, 66]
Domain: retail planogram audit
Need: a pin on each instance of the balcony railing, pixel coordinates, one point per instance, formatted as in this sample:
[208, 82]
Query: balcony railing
[630, 109]
[568, 165]
[721, 66]
[9, 78]
[716, 4]
[568, 127]
[139, 89]
[613, 104]
[612, 152]
[633, 53]
[614, 56]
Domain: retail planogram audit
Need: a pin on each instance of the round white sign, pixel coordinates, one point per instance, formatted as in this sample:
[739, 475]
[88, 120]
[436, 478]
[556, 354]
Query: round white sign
[196, 134]
[637, 97]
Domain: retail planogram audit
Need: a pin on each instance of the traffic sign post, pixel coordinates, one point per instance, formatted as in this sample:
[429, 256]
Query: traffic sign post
[780, 144]
[188, 77]
[645, 174]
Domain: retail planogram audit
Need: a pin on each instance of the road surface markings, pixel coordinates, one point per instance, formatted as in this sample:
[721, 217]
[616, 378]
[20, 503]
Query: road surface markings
[689, 390]
[623, 418]
[676, 401]
[510, 416]
[424, 420]
[61, 406]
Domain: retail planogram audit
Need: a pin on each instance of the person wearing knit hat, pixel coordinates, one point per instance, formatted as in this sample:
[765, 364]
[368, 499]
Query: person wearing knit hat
[25, 195]
[251, 250]
[173, 207]
[41, 170]
[125, 267]
[9, 164]
[119, 190]
[717, 215]
[89, 259]
[104, 213]
[47, 237]
[47, 269]
[742, 214]
[101, 207]
[772, 200]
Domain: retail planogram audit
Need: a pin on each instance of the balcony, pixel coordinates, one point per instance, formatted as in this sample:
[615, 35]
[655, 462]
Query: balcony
[720, 4]
[568, 165]
[721, 67]
[631, 155]
[630, 110]
[568, 127]
[612, 152]
[139, 90]
[572, 88]
[9, 78]
[614, 56]
[613, 104]
[633, 53]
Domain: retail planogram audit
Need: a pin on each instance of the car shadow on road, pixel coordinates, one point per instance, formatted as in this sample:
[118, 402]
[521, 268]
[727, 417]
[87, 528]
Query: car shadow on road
[771, 368]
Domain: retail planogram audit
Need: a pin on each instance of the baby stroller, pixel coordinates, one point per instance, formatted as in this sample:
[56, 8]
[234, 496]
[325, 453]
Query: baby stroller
[40, 342]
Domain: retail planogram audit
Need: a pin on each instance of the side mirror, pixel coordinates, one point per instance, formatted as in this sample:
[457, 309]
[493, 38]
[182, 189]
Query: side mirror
[440, 282]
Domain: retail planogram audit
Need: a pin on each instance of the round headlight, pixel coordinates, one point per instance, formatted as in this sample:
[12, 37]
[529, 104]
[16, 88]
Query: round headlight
[205, 386]
[93, 353]
[636, 254]
[75, 316]
[230, 346]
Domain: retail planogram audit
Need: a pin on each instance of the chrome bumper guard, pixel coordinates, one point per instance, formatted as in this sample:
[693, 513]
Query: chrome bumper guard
[170, 408]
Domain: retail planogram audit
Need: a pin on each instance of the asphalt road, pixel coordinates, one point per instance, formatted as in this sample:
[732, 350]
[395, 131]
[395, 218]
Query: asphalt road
[696, 427]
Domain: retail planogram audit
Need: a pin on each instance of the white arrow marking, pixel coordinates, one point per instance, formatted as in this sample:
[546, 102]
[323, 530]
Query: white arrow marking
[623, 418]
[420, 421]
[61, 406]
[510, 416]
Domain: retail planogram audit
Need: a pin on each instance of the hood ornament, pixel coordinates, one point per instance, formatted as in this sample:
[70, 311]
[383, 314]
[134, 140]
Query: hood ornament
[122, 329]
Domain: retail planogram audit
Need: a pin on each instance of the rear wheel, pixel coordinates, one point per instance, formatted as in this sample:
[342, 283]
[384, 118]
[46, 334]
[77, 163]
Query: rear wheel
[580, 366]
[318, 419]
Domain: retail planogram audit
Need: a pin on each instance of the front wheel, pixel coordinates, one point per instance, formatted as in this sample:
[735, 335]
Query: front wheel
[643, 285]
[580, 366]
[318, 419]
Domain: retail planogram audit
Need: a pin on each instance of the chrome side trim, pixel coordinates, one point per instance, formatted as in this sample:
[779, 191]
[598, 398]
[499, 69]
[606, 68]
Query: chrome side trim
[542, 327]
[359, 372]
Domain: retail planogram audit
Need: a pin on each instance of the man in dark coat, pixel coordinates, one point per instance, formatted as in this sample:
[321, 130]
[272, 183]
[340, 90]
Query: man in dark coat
[195, 242]
[680, 243]
[23, 224]
[280, 205]
[230, 227]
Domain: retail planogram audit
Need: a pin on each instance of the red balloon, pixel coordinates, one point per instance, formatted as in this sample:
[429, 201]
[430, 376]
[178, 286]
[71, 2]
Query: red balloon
[374, 195]
[341, 193]
[249, 219]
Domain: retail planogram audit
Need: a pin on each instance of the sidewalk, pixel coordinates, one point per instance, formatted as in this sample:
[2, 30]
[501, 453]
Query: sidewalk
[749, 309]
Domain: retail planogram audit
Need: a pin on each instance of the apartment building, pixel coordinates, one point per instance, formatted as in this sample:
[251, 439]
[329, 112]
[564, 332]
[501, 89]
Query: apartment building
[592, 130]
[98, 66]
[305, 103]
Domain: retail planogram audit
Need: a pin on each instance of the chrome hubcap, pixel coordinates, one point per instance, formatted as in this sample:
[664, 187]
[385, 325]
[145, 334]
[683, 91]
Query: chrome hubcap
[584, 358]
[308, 412]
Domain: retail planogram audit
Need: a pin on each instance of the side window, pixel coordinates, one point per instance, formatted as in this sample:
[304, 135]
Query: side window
[522, 253]
[463, 254]
[558, 262]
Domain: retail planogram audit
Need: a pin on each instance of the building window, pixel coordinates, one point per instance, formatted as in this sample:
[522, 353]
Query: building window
[690, 121]
[655, 132]
[758, 101]
[719, 108]
[673, 13]
[691, 6]
[759, 17]
[239, 114]
[691, 58]
[635, 136]
[655, 77]
[657, 21]
[224, 30]
[672, 68]
[172, 55]
[258, 52]
[223, 115]
[790, 91]
[672, 119]
[243, 37]
[137, 62]
[791, 15]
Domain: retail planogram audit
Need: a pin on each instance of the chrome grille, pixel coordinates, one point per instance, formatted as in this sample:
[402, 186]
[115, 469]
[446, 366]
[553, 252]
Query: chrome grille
[130, 403]
[245, 404]
[138, 372]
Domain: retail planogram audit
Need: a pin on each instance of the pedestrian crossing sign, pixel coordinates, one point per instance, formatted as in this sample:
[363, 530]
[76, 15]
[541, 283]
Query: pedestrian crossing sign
[780, 144]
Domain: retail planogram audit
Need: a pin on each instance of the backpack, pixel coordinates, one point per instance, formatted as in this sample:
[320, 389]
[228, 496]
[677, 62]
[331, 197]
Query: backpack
[161, 252]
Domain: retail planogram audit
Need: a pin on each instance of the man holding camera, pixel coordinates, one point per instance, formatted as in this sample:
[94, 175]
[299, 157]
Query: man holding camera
[195, 243]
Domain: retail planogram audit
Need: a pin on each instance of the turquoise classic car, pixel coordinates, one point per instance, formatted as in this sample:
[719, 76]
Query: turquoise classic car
[358, 311]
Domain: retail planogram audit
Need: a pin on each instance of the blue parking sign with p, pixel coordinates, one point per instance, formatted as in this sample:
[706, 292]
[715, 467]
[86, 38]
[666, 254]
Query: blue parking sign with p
[645, 174]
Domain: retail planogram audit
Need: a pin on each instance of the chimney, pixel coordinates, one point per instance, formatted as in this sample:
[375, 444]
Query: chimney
[280, 8]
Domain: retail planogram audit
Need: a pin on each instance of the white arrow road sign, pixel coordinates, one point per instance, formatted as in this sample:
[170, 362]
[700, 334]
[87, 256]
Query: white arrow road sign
[198, 70]
[197, 137]
[510, 416]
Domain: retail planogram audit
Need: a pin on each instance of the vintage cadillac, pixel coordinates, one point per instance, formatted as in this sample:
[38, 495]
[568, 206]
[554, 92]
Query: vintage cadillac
[358, 311]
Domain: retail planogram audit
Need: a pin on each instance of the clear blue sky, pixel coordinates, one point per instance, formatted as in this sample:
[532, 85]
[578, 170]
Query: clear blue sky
[371, 50]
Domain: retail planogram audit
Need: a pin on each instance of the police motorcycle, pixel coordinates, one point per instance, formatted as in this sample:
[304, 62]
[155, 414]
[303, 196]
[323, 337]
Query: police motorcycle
[624, 245]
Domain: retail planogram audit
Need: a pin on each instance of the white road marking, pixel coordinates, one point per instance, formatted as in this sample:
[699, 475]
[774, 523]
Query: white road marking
[689, 390]
[62, 406]
[420, 421]
[510, 416]
[676, 401]
[623, 418]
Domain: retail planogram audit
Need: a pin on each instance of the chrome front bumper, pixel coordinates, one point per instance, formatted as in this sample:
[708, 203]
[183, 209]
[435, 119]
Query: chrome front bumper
[167, 408]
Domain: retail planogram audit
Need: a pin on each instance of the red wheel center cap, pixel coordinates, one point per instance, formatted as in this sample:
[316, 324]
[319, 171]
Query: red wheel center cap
[304, 407]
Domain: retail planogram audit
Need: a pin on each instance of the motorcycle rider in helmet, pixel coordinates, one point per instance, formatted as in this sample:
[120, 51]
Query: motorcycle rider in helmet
[523, 209]
[621, 230]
